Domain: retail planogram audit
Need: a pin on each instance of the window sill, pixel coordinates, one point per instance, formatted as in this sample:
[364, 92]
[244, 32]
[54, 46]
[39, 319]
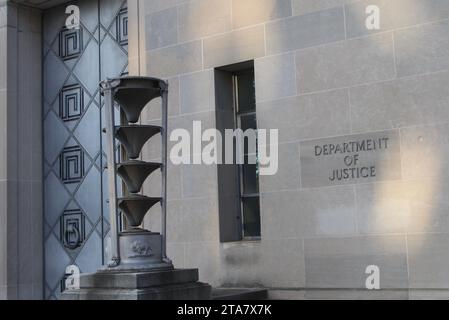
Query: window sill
[246, 239]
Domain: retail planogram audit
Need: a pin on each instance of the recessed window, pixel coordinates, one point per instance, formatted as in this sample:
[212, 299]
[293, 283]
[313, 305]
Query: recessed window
[245, 118]
[238, 183]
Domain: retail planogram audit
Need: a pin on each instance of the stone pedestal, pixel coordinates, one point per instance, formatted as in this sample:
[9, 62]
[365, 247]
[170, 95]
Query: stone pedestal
[140, 250]
[176, 284]
[142, 274]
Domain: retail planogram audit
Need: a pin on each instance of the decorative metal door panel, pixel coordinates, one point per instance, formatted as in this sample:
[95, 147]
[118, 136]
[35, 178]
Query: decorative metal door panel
[75, 204]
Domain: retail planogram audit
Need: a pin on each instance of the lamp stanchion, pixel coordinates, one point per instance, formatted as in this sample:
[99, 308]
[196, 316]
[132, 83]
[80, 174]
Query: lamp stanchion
[164, 135]
[107, 87]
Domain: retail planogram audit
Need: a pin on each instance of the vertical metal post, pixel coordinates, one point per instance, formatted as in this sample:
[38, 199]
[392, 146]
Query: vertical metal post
[107, 87]
[164, 134]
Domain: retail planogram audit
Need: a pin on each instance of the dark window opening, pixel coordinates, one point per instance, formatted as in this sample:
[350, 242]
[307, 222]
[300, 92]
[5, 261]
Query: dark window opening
[238, 183]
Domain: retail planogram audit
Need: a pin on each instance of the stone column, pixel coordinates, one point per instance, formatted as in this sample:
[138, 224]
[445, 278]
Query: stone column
[21, 249]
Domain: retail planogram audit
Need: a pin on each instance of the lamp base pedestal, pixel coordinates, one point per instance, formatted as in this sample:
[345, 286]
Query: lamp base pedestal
[140, 250]
[176, 284]
[142, 274]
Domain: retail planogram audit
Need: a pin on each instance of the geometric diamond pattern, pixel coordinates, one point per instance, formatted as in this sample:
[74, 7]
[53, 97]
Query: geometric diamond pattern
[89, 195]
[122, 27]
[72, 228]
[55, 136]
[55, 74]
[87, 63]
[75, 60]
[56, 261]
[83, 134]
[56, 198]
[71, 103]
[89, 259]
[70, 43]
[71, 165]
[109, 46]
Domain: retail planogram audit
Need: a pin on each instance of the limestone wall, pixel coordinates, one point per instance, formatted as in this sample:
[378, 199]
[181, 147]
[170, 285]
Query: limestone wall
[320, 74]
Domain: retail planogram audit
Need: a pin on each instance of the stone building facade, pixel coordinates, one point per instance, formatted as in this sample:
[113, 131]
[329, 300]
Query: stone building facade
[363, 120]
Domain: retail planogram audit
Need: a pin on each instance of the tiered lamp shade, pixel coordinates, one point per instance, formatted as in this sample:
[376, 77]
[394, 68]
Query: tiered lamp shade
[134, 94]
[135, 207]
[134, 173]
[133, 138]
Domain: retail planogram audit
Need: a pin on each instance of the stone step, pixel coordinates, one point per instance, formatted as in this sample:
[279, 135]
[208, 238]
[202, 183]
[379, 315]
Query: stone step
[137, 280]
[185, 291]
[176, 284]
[239, 294]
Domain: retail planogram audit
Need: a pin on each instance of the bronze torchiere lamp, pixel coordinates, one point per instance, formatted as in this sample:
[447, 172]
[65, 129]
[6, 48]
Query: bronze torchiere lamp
[135, 248]
[139, 268]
